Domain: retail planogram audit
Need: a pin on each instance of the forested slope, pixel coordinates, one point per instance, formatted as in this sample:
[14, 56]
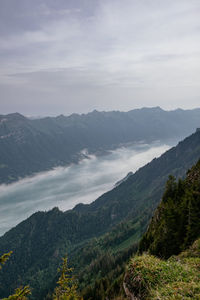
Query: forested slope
[176, 222]
[174, 227]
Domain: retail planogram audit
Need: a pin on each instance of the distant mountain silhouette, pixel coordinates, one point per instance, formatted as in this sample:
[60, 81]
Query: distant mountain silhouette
[28, 146]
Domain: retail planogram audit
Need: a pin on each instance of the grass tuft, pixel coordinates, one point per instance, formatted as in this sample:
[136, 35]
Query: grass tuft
[177, 278]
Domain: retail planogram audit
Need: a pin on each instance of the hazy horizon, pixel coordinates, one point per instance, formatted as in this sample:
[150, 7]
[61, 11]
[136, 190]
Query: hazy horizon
[61, 113]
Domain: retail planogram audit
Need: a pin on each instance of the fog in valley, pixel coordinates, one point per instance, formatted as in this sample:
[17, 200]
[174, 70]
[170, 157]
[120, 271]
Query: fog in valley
[66, 187]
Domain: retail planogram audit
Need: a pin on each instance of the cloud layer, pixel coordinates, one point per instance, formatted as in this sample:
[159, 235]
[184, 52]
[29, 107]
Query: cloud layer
[74, 56]
[66, 187]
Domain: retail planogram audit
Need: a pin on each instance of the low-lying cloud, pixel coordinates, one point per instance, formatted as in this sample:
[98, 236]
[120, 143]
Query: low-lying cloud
[66, 187]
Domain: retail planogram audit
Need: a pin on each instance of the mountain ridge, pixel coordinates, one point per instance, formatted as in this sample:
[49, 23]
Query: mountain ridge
[30, 146]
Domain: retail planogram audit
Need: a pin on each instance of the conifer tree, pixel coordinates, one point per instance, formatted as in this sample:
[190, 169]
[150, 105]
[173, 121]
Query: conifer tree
[67, 288]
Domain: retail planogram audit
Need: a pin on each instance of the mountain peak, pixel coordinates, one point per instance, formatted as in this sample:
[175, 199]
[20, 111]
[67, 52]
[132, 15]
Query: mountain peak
[16, 116]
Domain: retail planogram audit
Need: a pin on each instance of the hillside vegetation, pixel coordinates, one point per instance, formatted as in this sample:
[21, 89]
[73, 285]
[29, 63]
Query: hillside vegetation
[176, 222]
[99, 238]
[173, 228]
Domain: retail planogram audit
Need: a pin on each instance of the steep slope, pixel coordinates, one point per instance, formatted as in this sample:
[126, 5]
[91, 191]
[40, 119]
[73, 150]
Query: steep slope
[40, 241]
[176, 222]
[29, 146]
[174, 227]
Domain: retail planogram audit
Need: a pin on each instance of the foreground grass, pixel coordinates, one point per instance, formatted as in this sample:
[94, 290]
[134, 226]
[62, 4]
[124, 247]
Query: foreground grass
[177, 278]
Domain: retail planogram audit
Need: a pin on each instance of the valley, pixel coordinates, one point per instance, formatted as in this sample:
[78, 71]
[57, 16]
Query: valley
[99, 150]
[98, 237]
[28, 146]
[78, 183]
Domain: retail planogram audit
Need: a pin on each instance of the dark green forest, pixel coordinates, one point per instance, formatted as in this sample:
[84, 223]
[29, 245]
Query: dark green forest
[176, 222]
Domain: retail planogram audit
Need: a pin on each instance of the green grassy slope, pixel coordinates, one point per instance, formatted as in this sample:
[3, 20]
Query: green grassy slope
[177, 278]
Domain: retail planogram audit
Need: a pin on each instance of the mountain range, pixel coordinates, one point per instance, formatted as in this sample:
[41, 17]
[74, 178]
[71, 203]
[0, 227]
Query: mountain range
[99, 237]
[28, 146]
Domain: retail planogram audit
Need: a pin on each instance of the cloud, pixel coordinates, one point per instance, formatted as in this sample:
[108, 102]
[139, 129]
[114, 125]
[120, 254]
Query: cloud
[66, 187]
[134, 49]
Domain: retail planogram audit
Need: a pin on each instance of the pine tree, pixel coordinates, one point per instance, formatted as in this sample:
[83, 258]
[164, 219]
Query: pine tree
[67, 288]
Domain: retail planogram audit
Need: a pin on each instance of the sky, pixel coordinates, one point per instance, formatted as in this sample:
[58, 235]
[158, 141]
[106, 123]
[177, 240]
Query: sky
[66, 187]
[66, 56]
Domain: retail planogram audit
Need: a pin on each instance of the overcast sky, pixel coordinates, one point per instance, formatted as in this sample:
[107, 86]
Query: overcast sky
[65, 56]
